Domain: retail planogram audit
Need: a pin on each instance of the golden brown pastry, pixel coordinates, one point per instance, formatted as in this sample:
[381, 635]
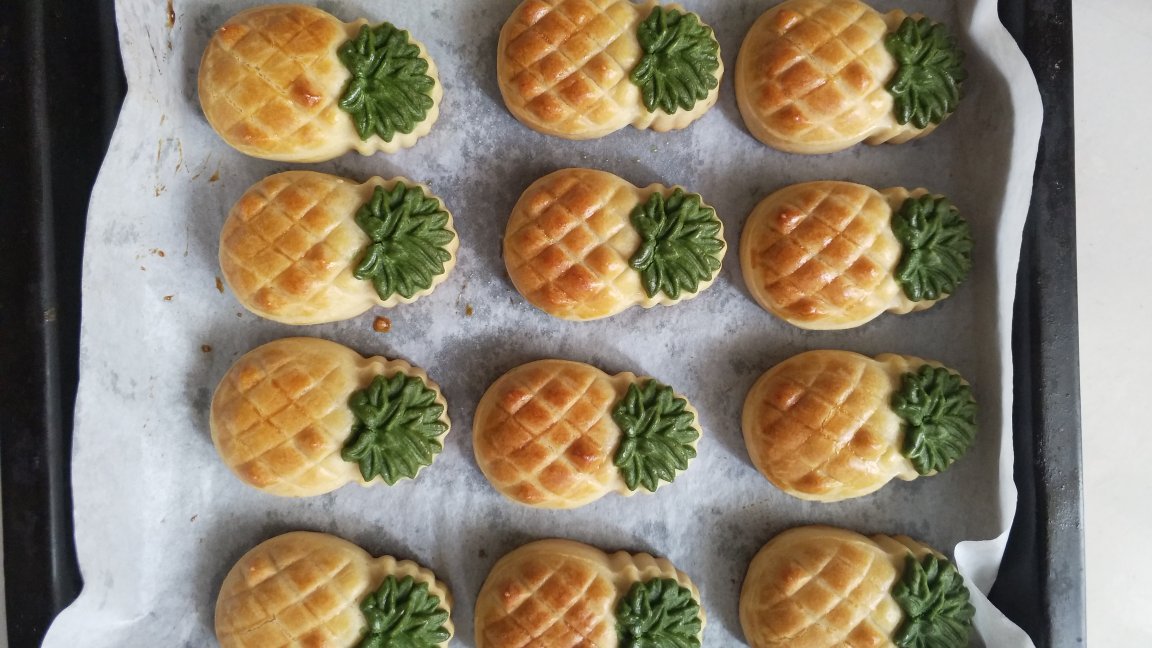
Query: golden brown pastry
[823, 587]
[561, 594]
[832, 425]
[818, 76]
[302, 247]
[560, 434]
[293, 83]
[314, 589]
[303, 416]
[584, 244]
[581, 69]
[834, 255]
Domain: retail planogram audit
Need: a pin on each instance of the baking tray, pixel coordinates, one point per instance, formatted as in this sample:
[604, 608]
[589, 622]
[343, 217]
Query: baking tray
[62, 85]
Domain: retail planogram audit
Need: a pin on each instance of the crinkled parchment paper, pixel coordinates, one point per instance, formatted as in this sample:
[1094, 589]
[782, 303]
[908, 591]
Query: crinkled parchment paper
[159, 520]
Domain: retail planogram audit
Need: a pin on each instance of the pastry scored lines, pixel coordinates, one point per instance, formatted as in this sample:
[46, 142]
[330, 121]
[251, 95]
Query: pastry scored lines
[573, 222]
[830, 73]
[254, 69]
[272, 245]
[863, 249]
[819, 468]
[812, 254]
[557, 454]
[559, 616]
[321, 238]
[844, 598]
[257, 455]
[576, 67]
[299, 596]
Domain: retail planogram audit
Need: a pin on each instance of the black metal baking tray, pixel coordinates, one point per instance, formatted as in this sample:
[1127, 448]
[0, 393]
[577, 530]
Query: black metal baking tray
[61, 86]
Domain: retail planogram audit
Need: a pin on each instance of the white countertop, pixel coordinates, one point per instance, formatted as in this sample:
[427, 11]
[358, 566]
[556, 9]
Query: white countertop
[1113, 46]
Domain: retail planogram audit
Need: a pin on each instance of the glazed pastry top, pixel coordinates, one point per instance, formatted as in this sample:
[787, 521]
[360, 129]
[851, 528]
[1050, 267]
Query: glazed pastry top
[818, 76]
[553, 593]
[305, 588]
[831, 425]
[829, 255]
[275, 83]
[824, 587]
[284, 417]
[295, 247]
[581, 69]
[583, 244]
[560, 434]
[543, 433]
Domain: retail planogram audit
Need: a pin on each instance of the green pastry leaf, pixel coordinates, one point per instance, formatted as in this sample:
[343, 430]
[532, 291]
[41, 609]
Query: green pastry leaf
[937, 247]
[658, 613]
[939, 415]
[930, 69]
[681, 56]
[680, 243]
[397, 429]
[409, 233]
[390, 90]
[658, 435]
[937, 613]
[403, 614]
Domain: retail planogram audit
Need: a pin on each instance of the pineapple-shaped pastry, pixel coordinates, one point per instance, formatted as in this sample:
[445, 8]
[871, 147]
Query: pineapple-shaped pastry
[562, 594]
[581, 69]
[834, 255]
[584, 244]
[824, 587]
[560, 434]
[818, 76]
[832, 425]
[303, 416]
[314, 589]
[293, 83]
[302, 247]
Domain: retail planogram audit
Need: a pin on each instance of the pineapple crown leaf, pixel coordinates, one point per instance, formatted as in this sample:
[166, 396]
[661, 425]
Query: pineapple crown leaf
[658, 433]
[658, 613]
[937, 613]
[402, 613]
[397, 429]
[939, 414]
[681, 56]
[390, 90]
[680, 243]
[409, 236]
[937, 247]
[930, 70]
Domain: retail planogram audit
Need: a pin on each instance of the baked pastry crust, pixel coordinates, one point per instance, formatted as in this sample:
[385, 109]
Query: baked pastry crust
[823, 587]
[563, 68]
[820, 425]
[822, 255]
[280, 415]
[290, 246]
[569, 242]
[561, 593]
[270, 83]
[305, 589]
[544, 435]
[811, 76]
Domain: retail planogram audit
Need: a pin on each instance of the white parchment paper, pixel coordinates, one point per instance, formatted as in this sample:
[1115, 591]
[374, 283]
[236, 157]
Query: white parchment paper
[159, 520]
